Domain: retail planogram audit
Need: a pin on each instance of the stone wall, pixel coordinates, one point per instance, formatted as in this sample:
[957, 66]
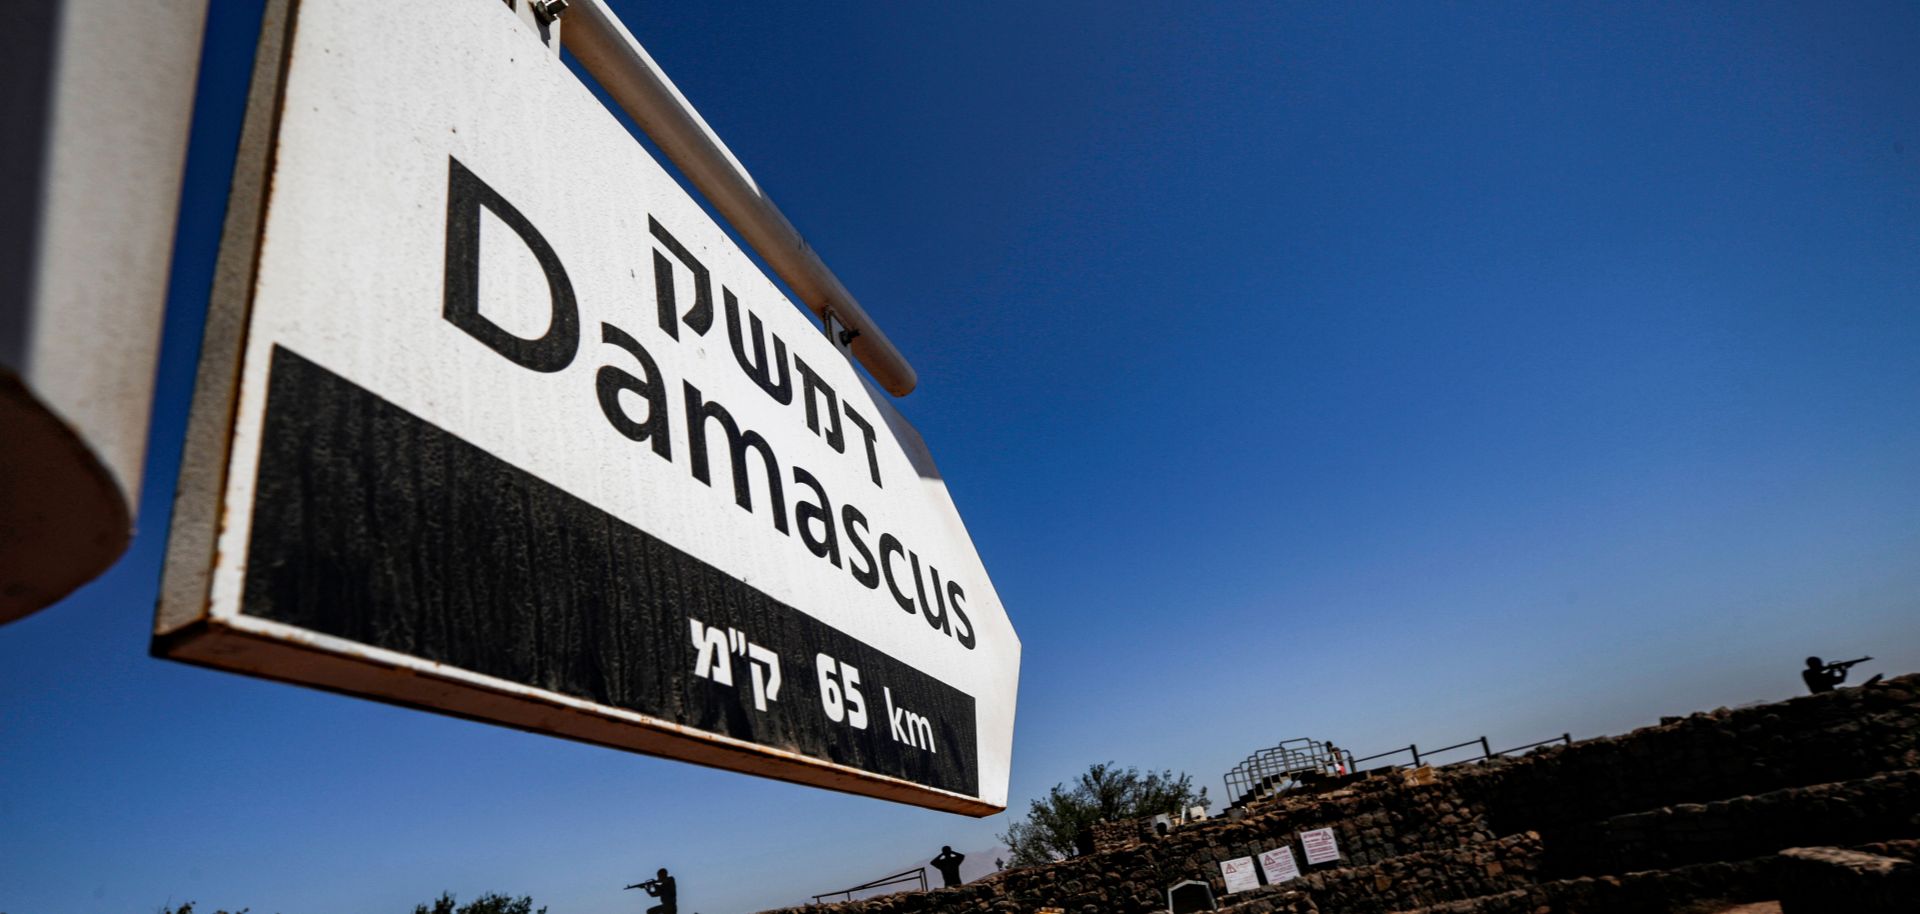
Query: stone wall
[1814, 739]
[1131, 882]
[1376, 824]
[1695, 808]
[1650, 892]
[1113, 836]
[1373, 821]
[1844, 814]
[1423, 879]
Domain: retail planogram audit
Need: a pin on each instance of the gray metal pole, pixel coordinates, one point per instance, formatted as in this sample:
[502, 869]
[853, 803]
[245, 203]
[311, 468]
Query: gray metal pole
[595, 36]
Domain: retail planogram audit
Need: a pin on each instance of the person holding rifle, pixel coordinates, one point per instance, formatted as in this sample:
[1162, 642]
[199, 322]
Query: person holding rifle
[1825, 677]
[661, 887]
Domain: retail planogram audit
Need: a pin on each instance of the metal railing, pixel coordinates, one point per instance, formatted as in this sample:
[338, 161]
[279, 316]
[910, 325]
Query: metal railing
[1565, 739]
[1486, 751]
[1281, 768]
[919, 875]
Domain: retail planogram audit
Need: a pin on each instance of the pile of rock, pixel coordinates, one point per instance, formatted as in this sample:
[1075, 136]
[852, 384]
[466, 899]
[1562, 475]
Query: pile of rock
[1814, 802]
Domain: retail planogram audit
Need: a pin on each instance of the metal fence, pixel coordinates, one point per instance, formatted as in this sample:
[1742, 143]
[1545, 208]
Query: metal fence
[915, 875]
[1426, 757]
[1276, 770]
[1281, 768]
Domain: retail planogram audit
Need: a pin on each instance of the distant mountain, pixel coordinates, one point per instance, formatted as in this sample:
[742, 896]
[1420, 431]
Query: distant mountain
[979, 863]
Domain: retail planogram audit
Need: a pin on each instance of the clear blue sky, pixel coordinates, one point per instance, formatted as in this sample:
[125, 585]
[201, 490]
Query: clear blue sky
[1378, 373]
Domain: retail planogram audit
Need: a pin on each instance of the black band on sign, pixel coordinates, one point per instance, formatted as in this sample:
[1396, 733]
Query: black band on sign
[374, 525]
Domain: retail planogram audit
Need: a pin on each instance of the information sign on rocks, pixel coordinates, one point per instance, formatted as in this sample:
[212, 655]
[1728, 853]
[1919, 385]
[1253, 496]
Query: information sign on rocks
[1279, 866]
[1239, 874]
[493, 420]
[1320, 846]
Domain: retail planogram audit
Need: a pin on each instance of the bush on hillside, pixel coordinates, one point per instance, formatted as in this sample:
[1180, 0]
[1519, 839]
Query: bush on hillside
[489, 903]
[1056, 821]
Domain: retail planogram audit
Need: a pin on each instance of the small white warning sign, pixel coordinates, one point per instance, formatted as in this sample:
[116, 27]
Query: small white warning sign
[1279, 865]
[1320, 845]
[1239, 874]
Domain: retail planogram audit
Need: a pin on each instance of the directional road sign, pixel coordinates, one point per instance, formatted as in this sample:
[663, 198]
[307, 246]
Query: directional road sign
[492, 419]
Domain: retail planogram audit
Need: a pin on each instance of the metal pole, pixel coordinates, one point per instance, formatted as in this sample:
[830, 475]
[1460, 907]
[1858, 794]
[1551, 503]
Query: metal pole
[1486, 751]
[595, 36]
[1415, 749]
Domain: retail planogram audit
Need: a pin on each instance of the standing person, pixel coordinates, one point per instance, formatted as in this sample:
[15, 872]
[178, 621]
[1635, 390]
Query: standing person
[1339, 766]
[661, 886]
[948, 863]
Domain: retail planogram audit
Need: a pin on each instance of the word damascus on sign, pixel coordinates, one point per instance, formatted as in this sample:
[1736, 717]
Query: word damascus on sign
[541, 446]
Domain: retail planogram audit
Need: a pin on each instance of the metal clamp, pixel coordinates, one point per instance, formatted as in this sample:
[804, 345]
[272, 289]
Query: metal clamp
[837, 331]
[636, 83]
[543, 17]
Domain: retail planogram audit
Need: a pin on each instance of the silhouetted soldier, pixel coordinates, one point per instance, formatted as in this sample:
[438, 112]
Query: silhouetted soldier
[948, 863]
[1824, 677]
[663, 888]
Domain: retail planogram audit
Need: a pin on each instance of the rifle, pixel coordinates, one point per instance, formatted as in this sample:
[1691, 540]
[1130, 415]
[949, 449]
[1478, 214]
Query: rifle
[648, 885]
[1843, 665]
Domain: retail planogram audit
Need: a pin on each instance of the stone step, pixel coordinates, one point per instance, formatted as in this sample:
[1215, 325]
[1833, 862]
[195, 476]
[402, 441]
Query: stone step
[1878, 878]
[1818, 880]
[1681, 890]
[1842, 814]
[1700, 758]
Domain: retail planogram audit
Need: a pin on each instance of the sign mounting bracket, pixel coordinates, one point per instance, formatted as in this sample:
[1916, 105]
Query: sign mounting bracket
[543, 17]
[838, 332]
